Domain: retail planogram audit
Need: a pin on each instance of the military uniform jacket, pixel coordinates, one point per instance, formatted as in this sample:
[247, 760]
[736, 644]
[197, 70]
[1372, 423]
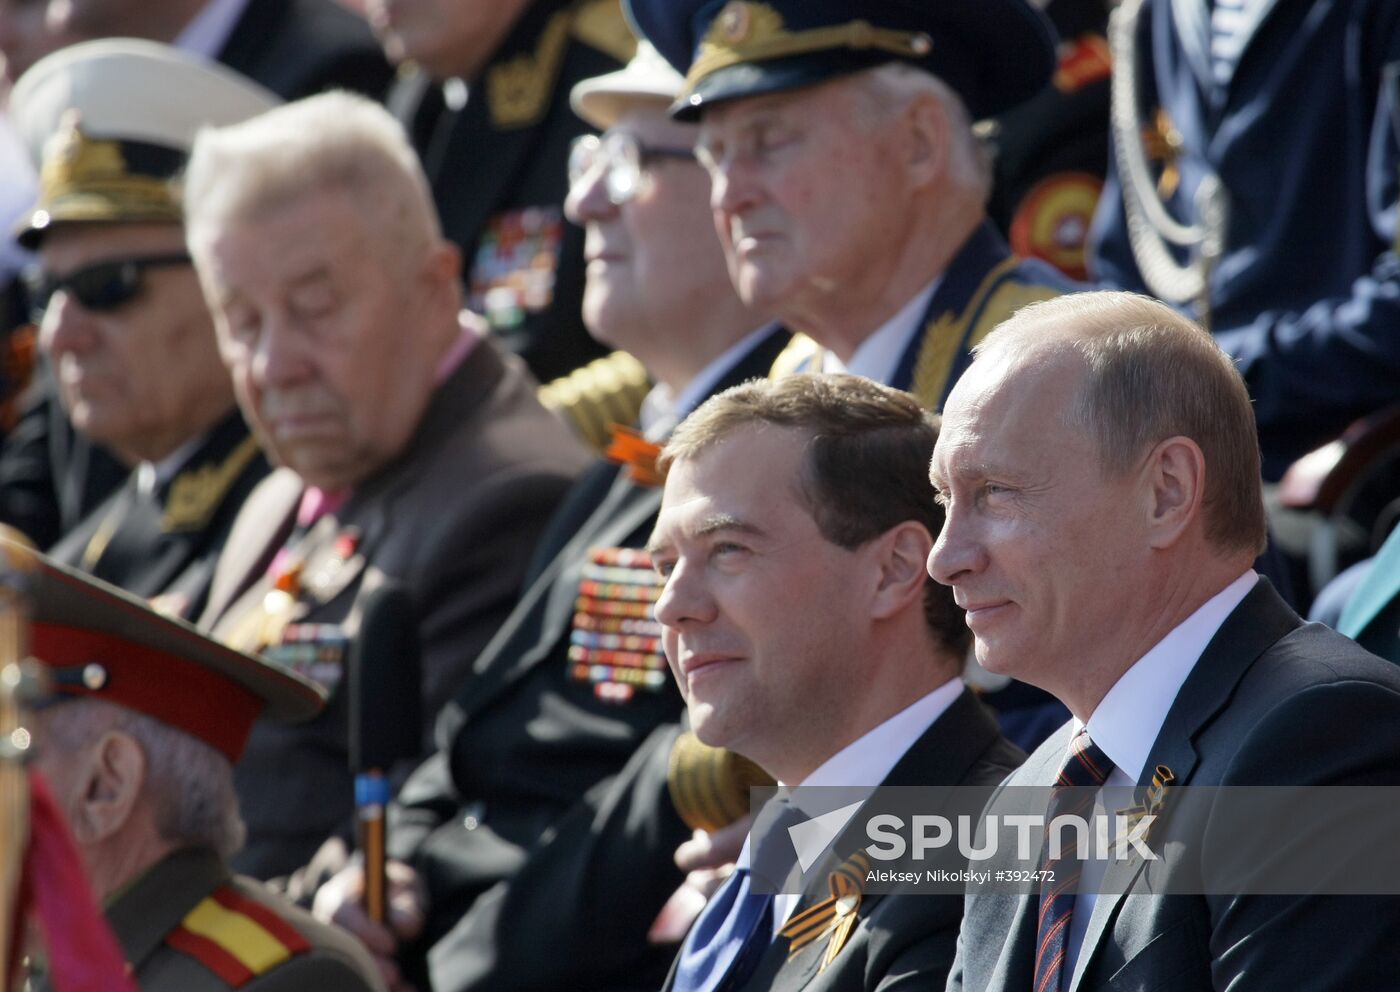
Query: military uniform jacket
[518, 750]
[163, 543]
[982, 286]
[1271, 702]
[454, 519]
[899, 941]
[1306, 295]
[188, 925]
[499, 173]
[299, 47]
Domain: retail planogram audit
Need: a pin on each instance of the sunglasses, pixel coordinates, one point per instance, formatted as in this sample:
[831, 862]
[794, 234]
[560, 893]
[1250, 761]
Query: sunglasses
[623, 158]
[98, 287]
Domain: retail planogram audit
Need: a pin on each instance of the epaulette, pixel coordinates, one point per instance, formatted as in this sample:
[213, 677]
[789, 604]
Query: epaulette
[801, 354]
[606, 391]
[709, 786]
[949, 336]
[600, 24]
[236, 938]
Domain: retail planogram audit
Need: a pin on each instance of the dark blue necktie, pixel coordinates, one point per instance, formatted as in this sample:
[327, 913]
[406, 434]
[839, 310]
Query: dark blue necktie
[728, 940]
[729, 937]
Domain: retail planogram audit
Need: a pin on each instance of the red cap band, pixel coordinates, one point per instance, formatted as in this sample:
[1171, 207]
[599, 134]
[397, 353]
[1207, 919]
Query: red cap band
[185, 695]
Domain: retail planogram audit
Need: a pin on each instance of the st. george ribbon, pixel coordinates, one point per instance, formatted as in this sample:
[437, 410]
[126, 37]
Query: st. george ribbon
[385, 721]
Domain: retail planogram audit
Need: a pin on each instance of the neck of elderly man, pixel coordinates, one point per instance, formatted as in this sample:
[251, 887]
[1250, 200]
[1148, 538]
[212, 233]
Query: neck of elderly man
[876, 184]
[100, 777]
[841, 311]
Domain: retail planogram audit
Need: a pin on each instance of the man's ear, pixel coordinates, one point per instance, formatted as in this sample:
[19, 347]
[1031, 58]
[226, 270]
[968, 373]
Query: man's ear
[107, 788]
[902, 554]
[928, 139]
[442, 273]
[1175, 478]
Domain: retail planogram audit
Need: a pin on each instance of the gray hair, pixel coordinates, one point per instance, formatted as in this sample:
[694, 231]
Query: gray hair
[1153, 374]
[332, 141]
[893, 85]
[189, 784]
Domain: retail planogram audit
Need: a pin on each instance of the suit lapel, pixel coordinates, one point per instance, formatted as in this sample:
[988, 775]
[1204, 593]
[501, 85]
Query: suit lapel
[1254, 626]
[261, 529]
[944, 755]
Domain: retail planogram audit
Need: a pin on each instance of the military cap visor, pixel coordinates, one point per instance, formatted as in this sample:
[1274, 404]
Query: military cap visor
[994, 54]
[100, 642]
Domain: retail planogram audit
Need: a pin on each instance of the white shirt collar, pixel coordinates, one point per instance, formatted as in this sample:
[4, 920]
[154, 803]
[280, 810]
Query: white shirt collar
[1127, 720]
[663, 409]
[867, 761]
[208, 31]
[864, 764]
[878, 356]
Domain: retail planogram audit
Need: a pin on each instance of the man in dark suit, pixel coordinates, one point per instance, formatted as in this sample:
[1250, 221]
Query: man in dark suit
[50, 475]
[497, 824]
[804, 634]
[411, 449]
[124, 325]
[488, 110]
[1100, 469]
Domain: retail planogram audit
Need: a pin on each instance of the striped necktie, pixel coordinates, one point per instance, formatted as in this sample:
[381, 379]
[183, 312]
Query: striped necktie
[1085, 768]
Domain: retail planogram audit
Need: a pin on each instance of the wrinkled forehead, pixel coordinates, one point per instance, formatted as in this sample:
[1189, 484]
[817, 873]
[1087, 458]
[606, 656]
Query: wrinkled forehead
[1027, 398]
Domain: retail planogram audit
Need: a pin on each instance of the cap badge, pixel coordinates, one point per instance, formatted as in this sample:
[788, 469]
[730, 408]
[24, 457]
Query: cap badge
[734, 21]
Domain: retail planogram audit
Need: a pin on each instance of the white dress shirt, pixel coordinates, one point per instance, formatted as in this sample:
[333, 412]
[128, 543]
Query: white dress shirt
[1128, 719]
[878, 356]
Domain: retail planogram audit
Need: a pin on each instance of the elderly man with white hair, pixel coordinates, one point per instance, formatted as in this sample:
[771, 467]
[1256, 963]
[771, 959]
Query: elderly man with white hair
[411, 449]
[850, 192]
[513, 854]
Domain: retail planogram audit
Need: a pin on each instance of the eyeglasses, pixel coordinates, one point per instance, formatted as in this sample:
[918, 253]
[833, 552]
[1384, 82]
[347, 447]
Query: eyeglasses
[623, 159]
[98, 287]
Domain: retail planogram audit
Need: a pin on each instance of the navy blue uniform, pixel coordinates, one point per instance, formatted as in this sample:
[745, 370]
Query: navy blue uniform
[1302, 134]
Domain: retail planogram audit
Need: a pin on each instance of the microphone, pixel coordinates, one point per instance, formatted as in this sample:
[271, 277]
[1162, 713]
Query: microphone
[385, 721]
